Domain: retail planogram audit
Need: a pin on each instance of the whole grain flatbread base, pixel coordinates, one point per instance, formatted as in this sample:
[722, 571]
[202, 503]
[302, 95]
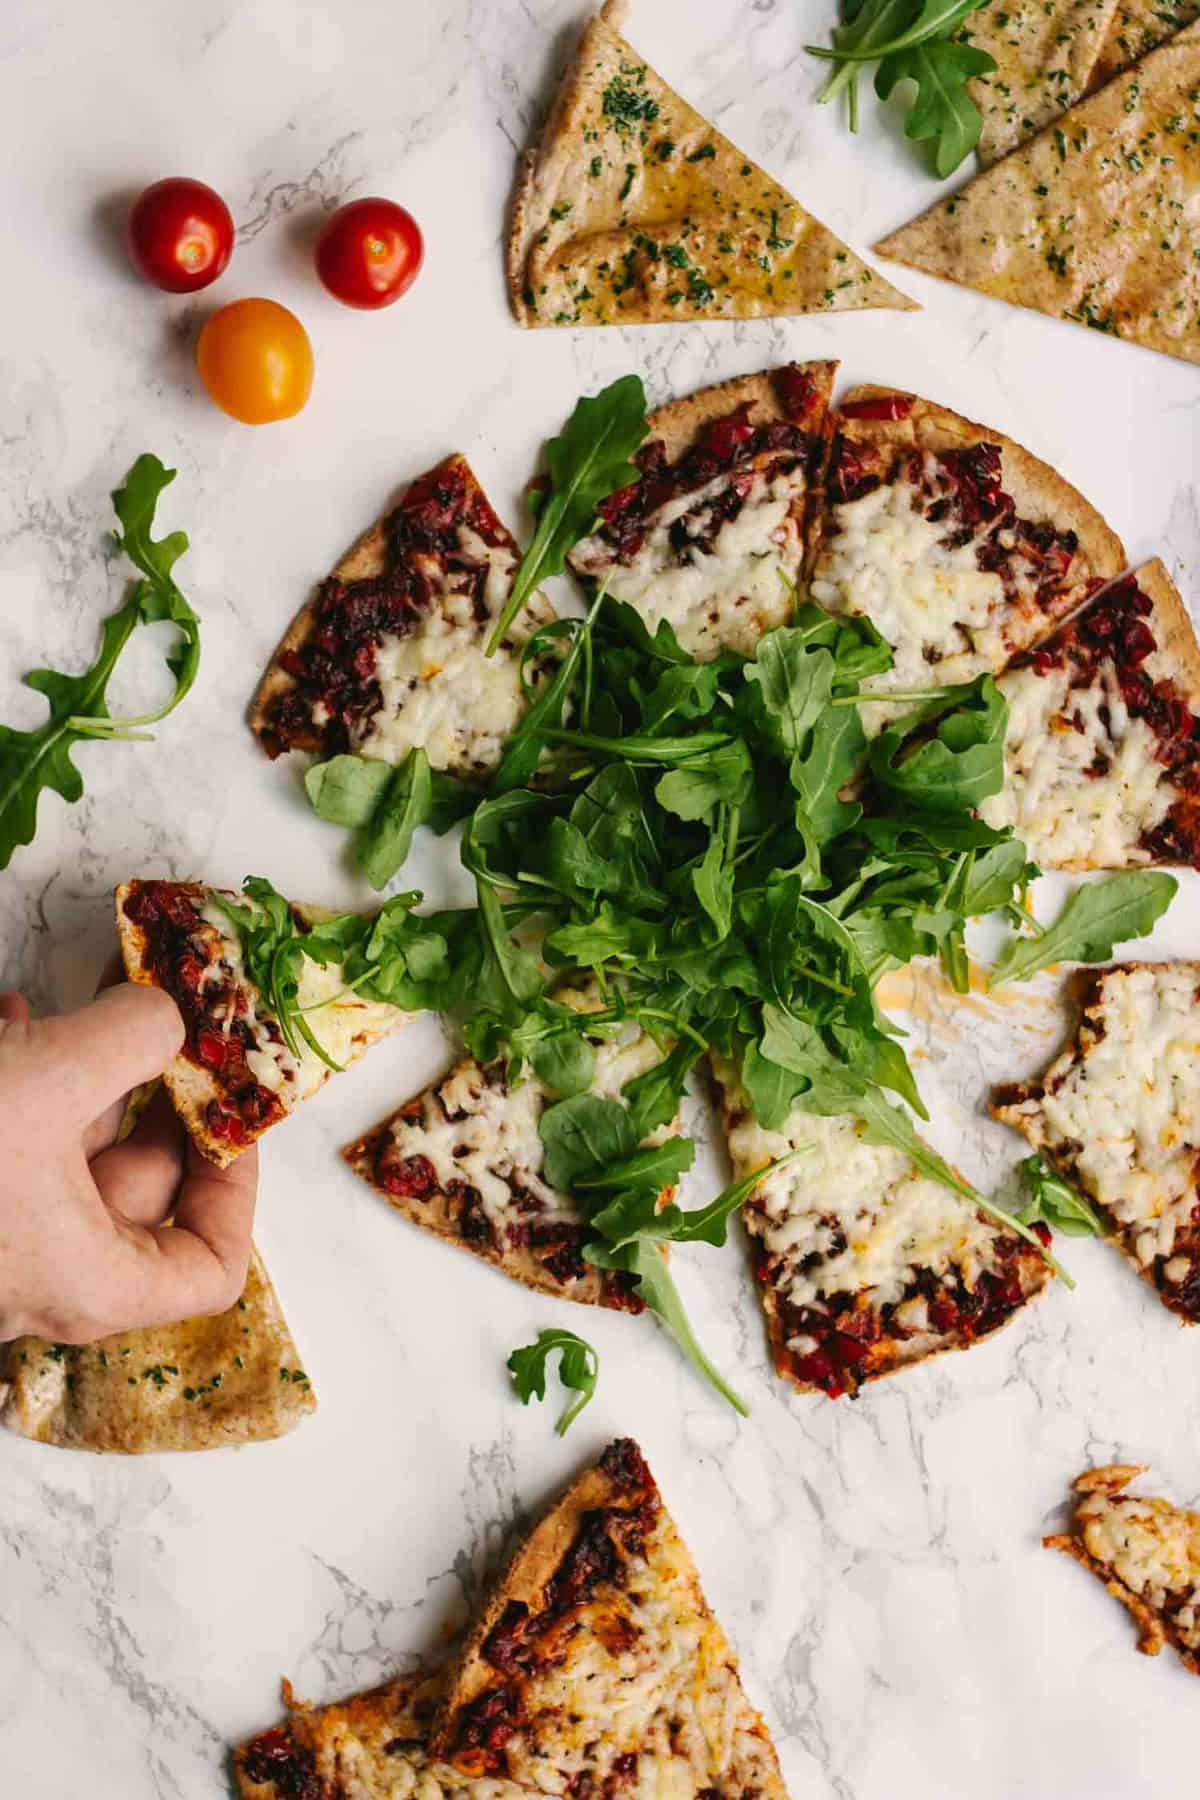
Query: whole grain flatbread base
[1046, 52]
[632, 209]
[1096, 220]
[234, 1378]
[1136, 27]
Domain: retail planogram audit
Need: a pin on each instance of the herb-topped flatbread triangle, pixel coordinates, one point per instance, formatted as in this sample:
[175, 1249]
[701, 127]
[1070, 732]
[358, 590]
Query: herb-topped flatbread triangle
[235, 1378]
[1136, 27]
[632, 209]
[1118, 1114]
[865, 1264]
[1095, 220]
[1045, 52]
[388, 656]
[598, 1666]
[263, 985]
[714, 535]
[1102, 754]
[960, 547]
[1147, 1554]
[465, 1159]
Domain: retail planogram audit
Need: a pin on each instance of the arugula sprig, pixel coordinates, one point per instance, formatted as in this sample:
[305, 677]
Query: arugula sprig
[1054, 1202]
[32, 761]
[1095, 919]
[916, 41]
[578, 1368]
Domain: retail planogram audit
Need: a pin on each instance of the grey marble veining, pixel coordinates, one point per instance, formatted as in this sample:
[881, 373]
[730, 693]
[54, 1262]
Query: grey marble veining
[877, 1564]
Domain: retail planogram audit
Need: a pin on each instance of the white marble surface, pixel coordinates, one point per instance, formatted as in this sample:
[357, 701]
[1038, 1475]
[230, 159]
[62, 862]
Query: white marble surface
[877, 1564]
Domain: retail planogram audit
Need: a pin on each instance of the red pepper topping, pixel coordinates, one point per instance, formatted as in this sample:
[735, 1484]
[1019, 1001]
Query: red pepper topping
[879, 406]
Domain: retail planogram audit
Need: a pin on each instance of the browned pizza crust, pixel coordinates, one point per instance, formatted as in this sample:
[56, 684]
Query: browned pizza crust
[355, 1747]
[1038, 490]
[596, 196]
[679, 422]
[235, 1378]
[1172, 625]
[1154, 1629]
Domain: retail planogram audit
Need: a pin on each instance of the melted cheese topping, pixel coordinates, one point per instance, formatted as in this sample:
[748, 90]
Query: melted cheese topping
[850, 1217]
[1123, 1108]
[365, 1759]
[1056, 734]
[1153, 1548]
[667, 1691]
[932, 603]
[478, 1129]
[722, 597]
[343, 1024]
[440, 693]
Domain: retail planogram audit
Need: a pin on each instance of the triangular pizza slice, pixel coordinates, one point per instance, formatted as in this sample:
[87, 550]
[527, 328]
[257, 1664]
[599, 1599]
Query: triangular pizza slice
[631, 209]
[1118, 1113]
[1045, 52]
[959, 546]
[713, 535]
[1102, 756]
[235, 1378]
[1096, 219]
[1147, 1554]
[598, 1666]
[465, 1160]
[864, 1263]
[243, 1066]
[389, 654]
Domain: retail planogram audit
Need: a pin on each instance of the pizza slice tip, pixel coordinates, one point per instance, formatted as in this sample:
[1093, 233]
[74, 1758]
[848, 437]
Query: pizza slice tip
[633, 209]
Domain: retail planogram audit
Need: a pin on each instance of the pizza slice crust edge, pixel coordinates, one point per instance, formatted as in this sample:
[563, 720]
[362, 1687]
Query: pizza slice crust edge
[292, 1749]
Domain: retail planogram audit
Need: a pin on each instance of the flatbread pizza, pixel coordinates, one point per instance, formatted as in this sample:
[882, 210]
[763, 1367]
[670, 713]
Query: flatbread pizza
[1096, 219]
[631, 209]
[864, 1264]
[598, 1666]
[713, 537]
[1118, 1114]
[1136, 27]
[1102, 754]
[1147, 1554]
[240, 1070]
[464, 1159]
[388, 655]
[1046, 52]
[235, 1378]
[960, 546]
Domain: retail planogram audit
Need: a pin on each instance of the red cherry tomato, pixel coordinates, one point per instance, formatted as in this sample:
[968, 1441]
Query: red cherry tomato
[369, 253]
[180, 235]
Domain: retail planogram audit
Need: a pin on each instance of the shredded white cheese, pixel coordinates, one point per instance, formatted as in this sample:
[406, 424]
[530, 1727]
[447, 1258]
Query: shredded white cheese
[1153, 1548]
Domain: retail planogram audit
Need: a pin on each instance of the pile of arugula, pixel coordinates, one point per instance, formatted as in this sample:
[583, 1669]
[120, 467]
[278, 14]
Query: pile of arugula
[914, 41]
[31, 761]
[724, 851]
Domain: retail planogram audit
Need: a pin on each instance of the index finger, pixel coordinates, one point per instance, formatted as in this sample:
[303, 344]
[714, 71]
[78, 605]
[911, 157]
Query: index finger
[87, 1059]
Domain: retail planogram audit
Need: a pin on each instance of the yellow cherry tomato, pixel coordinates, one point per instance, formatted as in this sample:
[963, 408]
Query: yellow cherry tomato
[255, 359]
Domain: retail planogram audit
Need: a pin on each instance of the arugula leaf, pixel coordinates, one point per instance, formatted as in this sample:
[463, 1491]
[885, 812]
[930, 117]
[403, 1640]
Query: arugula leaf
[582, 1136]
[346, 790]
[653, 1098]
[1054, 1202]
[642, 1259]
[578, 1368]
[961, 765]
[653, 1168]
[943, 108]
[385, 804]
[1094, 920]
[32, 761]
[590, 461]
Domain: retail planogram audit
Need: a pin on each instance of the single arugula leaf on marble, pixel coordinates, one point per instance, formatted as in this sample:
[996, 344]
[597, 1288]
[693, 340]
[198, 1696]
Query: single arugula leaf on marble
[1093, 922]
[590, 461]
[578, 1368]
[33, 761]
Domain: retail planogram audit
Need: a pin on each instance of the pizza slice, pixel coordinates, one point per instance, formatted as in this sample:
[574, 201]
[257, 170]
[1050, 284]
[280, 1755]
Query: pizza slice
[1045, 53]
[1096, 219]
[370, 1747]
[1102, 756]
[1147, 1554]
[631, 209]
[464, 1159]
[1118, 1113]
[958, 545]
[235, 1378]
[1137, 27]
[243, 1067]
[388, 656]
[713, 535]
[864, 1263]
[598, 1666]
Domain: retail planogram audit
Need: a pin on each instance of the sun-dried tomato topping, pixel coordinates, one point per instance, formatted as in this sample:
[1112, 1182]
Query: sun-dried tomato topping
[797, 394]
[486, 1726]
[625, 1465]
[408, 1177]
[274, 1758]
[879, 406]
[179, 952]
